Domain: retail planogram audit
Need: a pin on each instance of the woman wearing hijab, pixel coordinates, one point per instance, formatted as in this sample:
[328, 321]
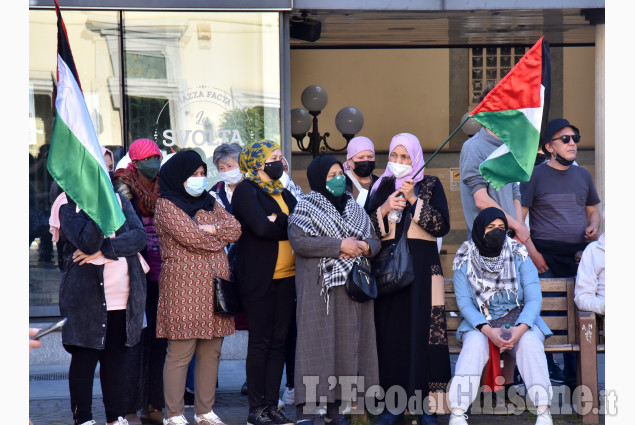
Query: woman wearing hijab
[144, 364]
[193, 232]
[329, 233]
[359, 166]
[492, 275]
[412, 342]
[102, 294]
[265, 273]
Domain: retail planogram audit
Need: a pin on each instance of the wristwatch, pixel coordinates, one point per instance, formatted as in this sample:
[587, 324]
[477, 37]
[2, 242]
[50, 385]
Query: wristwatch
[479, 327]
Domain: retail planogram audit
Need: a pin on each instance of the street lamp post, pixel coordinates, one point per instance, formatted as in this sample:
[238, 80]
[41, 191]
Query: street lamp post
[349, 121]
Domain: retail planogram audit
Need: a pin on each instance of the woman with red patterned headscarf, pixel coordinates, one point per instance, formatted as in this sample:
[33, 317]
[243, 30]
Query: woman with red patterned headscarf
[144, 364]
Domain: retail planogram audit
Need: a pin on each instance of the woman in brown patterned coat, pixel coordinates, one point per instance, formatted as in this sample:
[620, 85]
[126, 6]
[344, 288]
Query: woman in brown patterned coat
[193, 231]
[412, 344]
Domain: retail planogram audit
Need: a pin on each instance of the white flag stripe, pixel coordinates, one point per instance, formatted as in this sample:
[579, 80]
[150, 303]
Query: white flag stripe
[500, 151]
[534, 115]
[72, 109]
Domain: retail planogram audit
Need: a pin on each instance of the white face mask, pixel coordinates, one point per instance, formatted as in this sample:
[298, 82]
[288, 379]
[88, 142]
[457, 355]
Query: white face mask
[196, 185]
[232, 176]
[399, 170]
[285, 180]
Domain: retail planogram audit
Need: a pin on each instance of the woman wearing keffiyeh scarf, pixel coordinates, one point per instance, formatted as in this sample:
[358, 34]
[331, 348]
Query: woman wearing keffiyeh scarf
[330, 232]
[139, 183]
[493, 275]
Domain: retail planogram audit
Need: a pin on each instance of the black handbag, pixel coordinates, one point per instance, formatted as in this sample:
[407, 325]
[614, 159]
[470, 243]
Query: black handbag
[226, 298]
[392, 266]
[226, 293]
[361, 285]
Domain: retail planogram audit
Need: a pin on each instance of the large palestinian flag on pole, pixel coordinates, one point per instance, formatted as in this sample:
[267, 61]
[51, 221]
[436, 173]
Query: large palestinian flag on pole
[75, 160]
[516, 110]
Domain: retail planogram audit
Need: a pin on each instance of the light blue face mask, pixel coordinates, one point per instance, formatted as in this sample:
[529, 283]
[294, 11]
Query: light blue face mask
[196, 185]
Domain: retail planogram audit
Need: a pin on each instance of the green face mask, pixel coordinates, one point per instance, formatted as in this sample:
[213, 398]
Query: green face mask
[337, 185]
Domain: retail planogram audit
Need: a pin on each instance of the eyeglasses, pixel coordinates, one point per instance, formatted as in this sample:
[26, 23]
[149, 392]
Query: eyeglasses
[565, 139]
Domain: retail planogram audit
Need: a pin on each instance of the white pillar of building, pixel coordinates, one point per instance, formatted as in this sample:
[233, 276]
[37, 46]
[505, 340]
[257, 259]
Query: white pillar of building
[599, 113]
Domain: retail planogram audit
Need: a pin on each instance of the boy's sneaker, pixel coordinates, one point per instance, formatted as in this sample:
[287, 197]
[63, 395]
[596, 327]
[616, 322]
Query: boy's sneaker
[277, 417]
[458, 418]
[91, 422]
[175, 420]
[259, 417]
[209, 418]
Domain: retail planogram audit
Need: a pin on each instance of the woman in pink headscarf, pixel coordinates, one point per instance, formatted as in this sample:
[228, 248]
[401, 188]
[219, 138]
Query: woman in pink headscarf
[359, 166]
[144, 364]
[412, 344]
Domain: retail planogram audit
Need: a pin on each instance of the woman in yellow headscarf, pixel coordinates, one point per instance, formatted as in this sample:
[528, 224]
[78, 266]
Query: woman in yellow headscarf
[265, 272]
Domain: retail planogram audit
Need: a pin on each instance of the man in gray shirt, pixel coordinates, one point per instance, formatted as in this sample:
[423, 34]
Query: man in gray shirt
[476, 192]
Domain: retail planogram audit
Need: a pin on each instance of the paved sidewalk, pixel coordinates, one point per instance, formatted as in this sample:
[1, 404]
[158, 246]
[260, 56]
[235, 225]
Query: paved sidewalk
[49, 401]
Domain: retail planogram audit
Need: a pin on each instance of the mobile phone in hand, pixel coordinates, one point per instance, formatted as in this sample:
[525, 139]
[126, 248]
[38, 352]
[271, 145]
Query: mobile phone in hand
[49, 329]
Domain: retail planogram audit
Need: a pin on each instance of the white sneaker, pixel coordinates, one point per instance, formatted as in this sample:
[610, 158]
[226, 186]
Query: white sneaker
[288, 396]
[122, 421]
[91, 422]
[209, 418]
[458, 418]
[544, 418]
[175, 420]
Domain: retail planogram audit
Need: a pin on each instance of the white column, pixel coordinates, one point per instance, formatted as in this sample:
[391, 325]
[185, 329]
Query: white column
[599, 112]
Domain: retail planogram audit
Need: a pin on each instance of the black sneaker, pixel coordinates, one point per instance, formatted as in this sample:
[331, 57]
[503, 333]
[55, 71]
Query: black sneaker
[557, 375]
[259, 417]
[277, 417]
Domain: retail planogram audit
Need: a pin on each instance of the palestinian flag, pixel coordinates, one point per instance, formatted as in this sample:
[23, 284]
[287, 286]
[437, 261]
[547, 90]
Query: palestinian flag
[516, 110]
[75, 160]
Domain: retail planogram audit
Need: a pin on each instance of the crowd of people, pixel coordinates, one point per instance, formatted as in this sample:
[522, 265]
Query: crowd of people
[140, 301]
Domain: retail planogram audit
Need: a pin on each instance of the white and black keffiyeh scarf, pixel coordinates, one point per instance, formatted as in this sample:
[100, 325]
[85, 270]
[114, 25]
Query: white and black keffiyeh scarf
[489, 275]
[317, 216]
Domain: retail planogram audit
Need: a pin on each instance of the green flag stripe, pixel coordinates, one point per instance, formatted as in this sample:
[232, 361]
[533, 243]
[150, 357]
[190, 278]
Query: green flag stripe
[83, 179]
[520, 137]
[516, 131]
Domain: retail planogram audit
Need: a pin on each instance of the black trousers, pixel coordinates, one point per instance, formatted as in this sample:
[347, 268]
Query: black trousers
[144, 361]
[289, 355]
[268, 318]
[111, 361]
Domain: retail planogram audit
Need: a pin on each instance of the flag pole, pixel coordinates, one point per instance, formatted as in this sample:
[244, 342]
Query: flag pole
[441, 147]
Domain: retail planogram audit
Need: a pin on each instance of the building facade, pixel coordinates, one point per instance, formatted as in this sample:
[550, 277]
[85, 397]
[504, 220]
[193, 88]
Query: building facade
[212, 72]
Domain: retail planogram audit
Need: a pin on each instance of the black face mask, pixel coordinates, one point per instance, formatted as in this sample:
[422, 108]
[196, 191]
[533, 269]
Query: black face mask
[149, 168]
[564, 161]
[364, 168]
[495, 238]
[274, 169]
[540, 158]
[111, 174]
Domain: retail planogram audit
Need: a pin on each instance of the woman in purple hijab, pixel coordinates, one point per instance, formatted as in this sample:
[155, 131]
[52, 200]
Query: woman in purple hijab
[412, 342]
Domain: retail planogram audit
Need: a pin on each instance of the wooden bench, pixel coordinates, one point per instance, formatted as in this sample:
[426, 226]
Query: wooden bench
[580, 332]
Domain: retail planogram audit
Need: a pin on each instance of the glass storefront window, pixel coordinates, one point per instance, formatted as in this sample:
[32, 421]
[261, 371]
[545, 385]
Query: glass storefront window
[196, 79]
[192, 80]
[91, 51]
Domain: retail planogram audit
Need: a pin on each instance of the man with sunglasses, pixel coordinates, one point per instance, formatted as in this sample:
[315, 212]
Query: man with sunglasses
[564, 217]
